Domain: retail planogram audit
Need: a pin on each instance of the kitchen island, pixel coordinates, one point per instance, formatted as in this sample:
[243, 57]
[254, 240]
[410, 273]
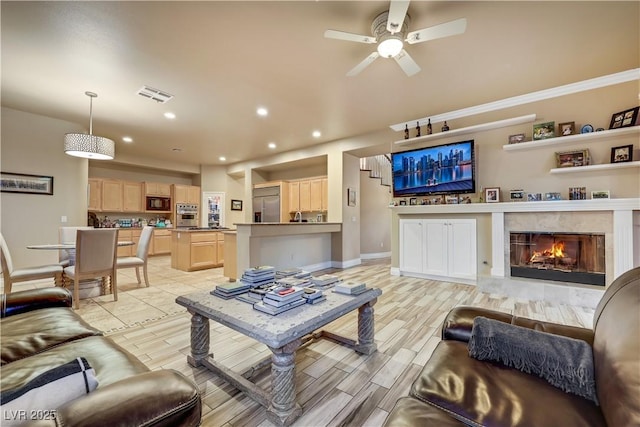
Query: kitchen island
[196, 249]
[307, 245]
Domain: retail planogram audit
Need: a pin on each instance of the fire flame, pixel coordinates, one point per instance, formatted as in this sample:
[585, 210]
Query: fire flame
[556, 251]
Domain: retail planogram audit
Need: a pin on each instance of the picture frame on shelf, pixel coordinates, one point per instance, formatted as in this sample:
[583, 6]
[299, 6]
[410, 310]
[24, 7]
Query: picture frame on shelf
[517, 195]
[492, 194]
[624, 118]
[464, 200]
[577, 193]
[621, 154]
[402, 202]
[601, 194]
[517, 138]
[27, 184]
[569, 159]
[544, 130]
[552, 196]
[451, 199]
[534, 197]
[567, 128]
[413, 201]
[236, 205]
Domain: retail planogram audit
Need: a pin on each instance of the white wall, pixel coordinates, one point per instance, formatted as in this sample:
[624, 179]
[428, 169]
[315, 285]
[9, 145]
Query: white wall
[375, 217]
[33, 144]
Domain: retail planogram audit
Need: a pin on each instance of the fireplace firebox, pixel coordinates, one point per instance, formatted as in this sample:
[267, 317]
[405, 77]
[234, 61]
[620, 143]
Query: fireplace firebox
[564, 257]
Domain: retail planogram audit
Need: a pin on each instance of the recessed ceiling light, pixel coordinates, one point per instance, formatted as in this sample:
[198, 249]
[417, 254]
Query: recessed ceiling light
[261, 111]
[272, 145]
[127, 139]
[170, 115]
[316, 134]
[222, 158]
[177, 150]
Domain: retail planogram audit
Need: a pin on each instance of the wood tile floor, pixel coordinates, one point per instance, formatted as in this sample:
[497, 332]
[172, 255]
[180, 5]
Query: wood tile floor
[336, 386]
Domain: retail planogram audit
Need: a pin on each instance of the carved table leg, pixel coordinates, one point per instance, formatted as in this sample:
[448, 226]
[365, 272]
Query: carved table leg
[366, 330]
[199, 339]
[283, 409]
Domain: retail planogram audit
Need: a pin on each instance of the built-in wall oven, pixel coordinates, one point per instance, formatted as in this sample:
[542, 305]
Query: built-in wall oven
[186, 215]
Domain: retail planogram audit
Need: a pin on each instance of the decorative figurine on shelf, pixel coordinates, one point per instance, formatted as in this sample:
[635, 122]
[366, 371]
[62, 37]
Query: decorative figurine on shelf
[406, 131]
[429, 128]
[445, 127]
[417, 129]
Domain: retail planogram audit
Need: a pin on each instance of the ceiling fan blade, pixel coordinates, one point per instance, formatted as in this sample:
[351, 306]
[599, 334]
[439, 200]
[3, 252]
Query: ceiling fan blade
[397, 12]
[406, 62]
[364, 64]
[341, 35]
[438, 31]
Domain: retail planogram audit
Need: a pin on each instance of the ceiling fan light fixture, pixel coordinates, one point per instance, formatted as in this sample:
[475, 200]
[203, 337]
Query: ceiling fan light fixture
[89, 146]
[390, 46]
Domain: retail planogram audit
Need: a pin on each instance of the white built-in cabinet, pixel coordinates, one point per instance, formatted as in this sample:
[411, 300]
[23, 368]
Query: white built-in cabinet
[439, 247]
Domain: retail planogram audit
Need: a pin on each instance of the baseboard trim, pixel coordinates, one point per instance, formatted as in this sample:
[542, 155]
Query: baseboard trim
[318, 266]
[346, 264]
[375, 255]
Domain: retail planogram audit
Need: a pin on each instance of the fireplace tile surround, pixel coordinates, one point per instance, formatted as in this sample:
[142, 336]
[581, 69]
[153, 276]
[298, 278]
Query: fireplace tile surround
[617, 219]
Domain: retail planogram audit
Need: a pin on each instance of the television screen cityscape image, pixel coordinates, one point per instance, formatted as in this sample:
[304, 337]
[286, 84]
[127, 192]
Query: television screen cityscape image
[447, 168]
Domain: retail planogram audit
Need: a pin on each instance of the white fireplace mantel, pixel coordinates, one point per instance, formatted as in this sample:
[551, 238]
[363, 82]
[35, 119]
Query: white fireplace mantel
[622, 209]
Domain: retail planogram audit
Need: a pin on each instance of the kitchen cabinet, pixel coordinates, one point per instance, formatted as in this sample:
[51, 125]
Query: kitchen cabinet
[308, 195]
[438, 247]
[132, 199]
[132, 235]
[111, 195]
[294, 196]
[196, 250]
[305, 196]
[161, 242]
[157, 189]
[318, 194]
[95, 195]
[186, 194]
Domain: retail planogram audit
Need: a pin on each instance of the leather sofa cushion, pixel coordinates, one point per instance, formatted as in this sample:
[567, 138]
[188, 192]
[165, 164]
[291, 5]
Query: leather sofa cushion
[22, 338]
[411, 412]
[484, 393]
[110, 362]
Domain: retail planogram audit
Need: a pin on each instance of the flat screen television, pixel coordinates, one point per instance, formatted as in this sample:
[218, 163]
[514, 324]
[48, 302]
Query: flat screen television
[441, 169]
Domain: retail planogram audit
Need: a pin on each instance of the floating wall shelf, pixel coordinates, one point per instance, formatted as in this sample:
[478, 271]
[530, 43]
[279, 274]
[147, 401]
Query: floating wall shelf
[470, 129]
[595, 168]
[580, 137]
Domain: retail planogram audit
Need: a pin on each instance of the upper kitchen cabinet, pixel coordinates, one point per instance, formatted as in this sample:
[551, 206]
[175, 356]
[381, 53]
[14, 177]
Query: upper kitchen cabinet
[111, 195]
[186, 194]
[95, 194]
[308, 195]
[294, 196]
[318, 194]
[157, 189]
[132, 198]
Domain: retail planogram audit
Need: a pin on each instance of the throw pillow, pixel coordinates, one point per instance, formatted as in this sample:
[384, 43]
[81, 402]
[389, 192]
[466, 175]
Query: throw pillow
[564, 362]
[40, 397]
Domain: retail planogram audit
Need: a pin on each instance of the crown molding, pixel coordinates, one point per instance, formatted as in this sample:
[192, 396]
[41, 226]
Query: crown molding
[595, 83]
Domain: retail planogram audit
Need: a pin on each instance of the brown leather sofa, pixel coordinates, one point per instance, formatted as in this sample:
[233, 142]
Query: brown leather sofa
[41, 331]
[454, 389]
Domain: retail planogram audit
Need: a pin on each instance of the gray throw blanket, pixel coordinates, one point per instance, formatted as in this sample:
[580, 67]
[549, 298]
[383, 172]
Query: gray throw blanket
[564, 362]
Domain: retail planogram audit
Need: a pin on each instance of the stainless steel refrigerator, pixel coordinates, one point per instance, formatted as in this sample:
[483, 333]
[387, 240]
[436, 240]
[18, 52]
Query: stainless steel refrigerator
[266, 204]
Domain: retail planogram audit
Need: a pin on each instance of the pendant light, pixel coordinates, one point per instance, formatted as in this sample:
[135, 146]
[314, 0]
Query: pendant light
[88, 145]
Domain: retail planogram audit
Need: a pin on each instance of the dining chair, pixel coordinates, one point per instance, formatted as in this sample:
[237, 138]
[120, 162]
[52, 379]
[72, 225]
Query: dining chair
[140, 260]
[96, 253]
[67, 235]
[11, 275]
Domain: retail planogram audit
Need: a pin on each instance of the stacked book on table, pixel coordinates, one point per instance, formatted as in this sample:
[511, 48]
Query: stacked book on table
[313, 296]
[292, 281]
[257, 276]
[324, 281]
[230, 290]
[287, 272]
[280, 299]
[350, 288]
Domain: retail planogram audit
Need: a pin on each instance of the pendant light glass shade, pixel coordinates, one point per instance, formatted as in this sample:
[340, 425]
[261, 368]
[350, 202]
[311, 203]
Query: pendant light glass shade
[89, 146]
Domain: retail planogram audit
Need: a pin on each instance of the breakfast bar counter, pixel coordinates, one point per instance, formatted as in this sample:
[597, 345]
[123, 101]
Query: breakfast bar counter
[293, 244]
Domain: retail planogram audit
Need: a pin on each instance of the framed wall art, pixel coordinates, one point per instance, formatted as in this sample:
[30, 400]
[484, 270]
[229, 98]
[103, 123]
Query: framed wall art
[624, 118]
[351, 197]
[236, 205]
[27, 184]
[624, 153]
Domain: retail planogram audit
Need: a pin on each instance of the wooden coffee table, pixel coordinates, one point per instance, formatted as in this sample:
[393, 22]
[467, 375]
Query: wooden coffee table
[283, 334]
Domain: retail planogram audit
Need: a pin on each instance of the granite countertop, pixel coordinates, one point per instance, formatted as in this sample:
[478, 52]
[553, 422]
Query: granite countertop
[289, 223]
[200, 229]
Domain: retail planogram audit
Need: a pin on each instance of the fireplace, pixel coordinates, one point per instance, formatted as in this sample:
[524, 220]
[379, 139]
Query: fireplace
[564, 257]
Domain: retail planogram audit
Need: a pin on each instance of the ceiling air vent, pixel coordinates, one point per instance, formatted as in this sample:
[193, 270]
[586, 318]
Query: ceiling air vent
[154, 94]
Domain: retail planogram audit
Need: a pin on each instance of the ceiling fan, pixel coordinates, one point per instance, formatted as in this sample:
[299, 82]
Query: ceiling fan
[389, 30]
